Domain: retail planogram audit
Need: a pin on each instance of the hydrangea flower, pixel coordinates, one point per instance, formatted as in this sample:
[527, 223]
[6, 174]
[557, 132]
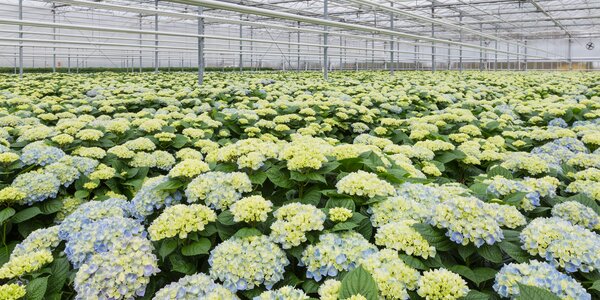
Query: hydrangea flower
[442, 284]
[393, 277]
[12, 291]
[305, 152]
[339, 214]
[149, 198]
[189, 168]
[293, 221]
[91, 212]
[577, 214]
[396, 209]
[467, 221]
[197, 286]
[38, 153]
[218, 189]
[179, 220]
[330, 289]
[122, 273]
[32, 253]
[251, 209]
[400, 236]
[267, 259]
[538, 274]
[286, 292]
[37, 186]
[562, 244]
[363, 183]
[335, 252]
[100, 237]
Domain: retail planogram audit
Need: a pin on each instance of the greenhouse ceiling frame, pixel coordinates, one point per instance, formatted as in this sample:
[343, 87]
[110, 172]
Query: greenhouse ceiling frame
[451, 26]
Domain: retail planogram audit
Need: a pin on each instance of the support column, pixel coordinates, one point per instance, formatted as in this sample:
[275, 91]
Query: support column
[570, 54]
[340, 53]
[325, 38]
[298, 48]
[525, 55]
[200, 46]
[156, 38]
[392, 42]
[54, 38]
[140, 42]
[496, 52]
[460, 48]
[449, 54]
[416, 55]
[251, 47]
[481, 50]
[507, 56]
[241, 58]
[21, 40]
[432, 35]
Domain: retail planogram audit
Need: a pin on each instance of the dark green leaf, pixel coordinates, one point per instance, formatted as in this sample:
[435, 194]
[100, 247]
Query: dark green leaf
[26, 214]
[344, 226]
[246, 232]
[51, 206]
[340, 202]
[167, 247]
[434, 236]
[37, 288]
[412, 261]
[310, 286]
[278, 178]
[181, 265]
[196, 248]
[226, 218]
[491, 253]
[60, 270]
[311, 196]
[500, 171]
[527, 292]
[171, 184]
[514, 251]
[476, 295]
[258, 178]
[359, 282]
[6, 213]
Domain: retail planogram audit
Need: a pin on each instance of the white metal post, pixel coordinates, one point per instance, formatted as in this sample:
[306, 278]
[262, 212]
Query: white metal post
[21, 40]
[392, 42]
[200, 47]
[570, 54]
[433, 36]
[241, 63]
[460, 47]
[140, 37]
[54, 38]
[325, 38]
[156, 37]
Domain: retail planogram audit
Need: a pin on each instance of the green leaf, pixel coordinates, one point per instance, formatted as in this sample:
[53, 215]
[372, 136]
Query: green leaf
[587, 201]
[278, 178]
[246, 232]
[82, 194]
[515, 198]
[311, 196]
[258, 178]
[37, 288]
[171, 184]
[365, 228]
[359, 282]
[181, 265]
[413, 262]
[6, 213]
[492, 125]
[491, 253]
[479, 189]
[466, 251]
[500, 171]
[26, 214]
[434, 236]
[310, 286]
[476, 295]
[340, 202]
[60, 271]
[344, 226]
[328, 167]
[51, 206]
[527, 292]
[514, 251]
[180, 140]
[167, 247]
[196, 248]
[595, 286]
[226, 218]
